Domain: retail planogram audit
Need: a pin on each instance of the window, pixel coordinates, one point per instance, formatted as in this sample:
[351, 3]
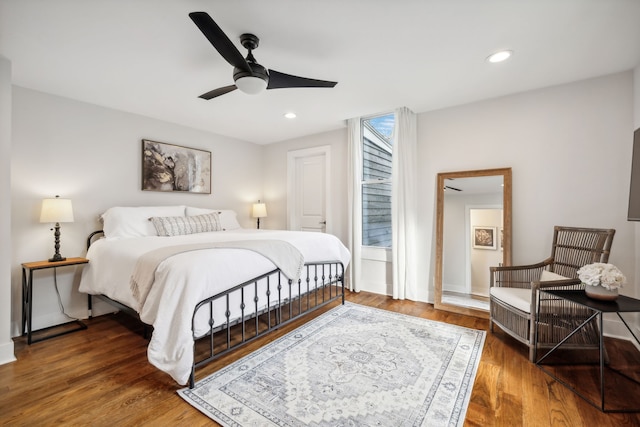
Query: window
[377, 151]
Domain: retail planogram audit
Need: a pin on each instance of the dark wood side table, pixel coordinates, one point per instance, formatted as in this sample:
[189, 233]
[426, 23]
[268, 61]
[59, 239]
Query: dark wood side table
[623, 304]
[27, 297]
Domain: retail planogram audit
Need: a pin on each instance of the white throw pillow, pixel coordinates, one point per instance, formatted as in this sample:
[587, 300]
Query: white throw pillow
[119, 222]
[191, 211]
[168, 226]
[228, 217]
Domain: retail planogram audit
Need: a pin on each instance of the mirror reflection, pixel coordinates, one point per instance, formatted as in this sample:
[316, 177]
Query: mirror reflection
[472, 224]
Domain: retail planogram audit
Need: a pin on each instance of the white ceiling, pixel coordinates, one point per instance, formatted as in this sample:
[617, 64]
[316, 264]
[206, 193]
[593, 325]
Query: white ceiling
[147, 56]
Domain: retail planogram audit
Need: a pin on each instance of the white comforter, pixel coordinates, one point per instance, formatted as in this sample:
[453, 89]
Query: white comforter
[185, 279]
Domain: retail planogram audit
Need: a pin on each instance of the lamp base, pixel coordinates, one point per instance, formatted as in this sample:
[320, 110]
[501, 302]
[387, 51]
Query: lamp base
[56, 255]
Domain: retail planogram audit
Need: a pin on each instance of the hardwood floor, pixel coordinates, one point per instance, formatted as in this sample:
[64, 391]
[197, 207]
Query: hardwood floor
[101, 377]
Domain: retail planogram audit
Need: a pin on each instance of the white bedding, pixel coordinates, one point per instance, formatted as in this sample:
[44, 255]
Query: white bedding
[185, 279]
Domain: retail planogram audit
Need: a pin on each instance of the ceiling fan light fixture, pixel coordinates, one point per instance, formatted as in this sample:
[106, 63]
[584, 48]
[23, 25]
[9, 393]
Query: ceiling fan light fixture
[249, 76]
[251, 85]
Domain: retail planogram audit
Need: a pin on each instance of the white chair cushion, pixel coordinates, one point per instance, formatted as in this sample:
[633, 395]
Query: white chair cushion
[548, 276]
[521, 298]
[515, 297]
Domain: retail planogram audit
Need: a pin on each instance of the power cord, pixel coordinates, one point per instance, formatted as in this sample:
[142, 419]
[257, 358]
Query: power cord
[55, 283]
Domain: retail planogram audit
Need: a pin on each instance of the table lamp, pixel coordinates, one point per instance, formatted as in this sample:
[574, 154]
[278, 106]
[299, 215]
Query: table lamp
[56, 210]
[259, 211]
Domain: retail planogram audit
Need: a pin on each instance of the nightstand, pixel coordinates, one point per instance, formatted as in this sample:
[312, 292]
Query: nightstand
[27, 297]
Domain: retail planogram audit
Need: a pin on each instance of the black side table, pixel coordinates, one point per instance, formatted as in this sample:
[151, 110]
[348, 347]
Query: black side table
[27, 297]
[623, 304]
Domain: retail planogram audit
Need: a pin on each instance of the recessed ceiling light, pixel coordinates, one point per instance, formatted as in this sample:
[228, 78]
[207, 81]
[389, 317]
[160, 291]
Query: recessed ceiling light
[503, 55]
[290, 115]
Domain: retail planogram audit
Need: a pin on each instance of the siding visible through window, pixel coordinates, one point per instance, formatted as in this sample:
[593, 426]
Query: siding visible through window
[376, 181]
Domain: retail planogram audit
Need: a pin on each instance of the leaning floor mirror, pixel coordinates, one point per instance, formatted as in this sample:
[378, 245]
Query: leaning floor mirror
[473, 233]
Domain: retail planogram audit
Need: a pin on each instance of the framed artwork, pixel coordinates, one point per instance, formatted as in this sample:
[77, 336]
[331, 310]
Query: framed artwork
[168, 167]
[484, 238]
[501, 239]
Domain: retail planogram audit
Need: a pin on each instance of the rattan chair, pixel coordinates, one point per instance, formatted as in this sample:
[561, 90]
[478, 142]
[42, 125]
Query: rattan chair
[514, 291]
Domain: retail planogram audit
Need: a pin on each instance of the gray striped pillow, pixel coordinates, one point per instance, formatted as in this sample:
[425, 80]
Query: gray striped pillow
[180, 225]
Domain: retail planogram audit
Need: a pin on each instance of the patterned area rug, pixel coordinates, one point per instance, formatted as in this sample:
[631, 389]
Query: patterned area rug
[352, 366]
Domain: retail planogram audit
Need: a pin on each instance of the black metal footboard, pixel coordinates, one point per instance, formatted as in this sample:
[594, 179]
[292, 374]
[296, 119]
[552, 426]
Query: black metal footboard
[254, 308]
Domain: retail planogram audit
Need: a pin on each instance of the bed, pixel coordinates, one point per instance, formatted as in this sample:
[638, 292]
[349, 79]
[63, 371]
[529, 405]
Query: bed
[197, 277]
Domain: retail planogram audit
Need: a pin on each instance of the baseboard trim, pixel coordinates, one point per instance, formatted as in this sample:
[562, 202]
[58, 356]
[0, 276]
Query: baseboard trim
[7, 354]
[614, 328]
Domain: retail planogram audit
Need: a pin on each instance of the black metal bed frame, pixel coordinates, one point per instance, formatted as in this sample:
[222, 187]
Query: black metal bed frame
[321, 283]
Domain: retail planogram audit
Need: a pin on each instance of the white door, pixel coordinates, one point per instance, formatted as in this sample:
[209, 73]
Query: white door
[308, 173]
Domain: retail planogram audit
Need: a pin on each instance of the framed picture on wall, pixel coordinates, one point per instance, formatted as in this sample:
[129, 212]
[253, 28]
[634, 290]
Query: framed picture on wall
[484, 238]
[168, 167]
[501, 239]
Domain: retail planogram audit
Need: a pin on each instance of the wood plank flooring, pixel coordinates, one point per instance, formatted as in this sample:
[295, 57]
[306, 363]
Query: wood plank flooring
[101, 377]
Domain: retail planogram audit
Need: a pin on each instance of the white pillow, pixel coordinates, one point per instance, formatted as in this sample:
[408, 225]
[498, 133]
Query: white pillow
[228, 217]
[180, 225]
[548, 276]
[134, 221]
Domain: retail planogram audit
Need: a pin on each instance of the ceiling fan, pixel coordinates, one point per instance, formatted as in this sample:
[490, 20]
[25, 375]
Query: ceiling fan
[447, 187]
[249, 76]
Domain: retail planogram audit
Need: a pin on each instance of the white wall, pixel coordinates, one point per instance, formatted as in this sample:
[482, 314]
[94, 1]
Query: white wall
[275, 180]
[569, 147]
[92, 155]
[570, 150]
[6, 344]
[636, 97]
[457, 238]
[636, 125]
[454, 243]
[483, 259]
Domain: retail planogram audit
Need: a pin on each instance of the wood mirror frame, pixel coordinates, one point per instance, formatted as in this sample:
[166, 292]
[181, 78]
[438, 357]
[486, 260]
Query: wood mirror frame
[506, 246]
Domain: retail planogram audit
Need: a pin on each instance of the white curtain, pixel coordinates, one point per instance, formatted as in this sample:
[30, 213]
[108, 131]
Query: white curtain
[354, 195]
[404, 205]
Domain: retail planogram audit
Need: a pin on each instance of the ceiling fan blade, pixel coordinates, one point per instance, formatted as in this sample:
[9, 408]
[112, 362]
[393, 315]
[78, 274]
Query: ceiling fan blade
[219, 40]
[452, 188]
[217, 92]
[278, 80]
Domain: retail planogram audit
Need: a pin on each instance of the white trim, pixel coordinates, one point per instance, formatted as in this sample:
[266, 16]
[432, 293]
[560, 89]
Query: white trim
[449, 287]
[376, 253]
[7, 354]
[6, 251]
[614, 328]
[292, 156]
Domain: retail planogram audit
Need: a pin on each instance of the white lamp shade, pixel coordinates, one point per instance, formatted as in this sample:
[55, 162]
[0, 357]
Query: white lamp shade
[259, 210]
[251, 85]
[56, 210]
